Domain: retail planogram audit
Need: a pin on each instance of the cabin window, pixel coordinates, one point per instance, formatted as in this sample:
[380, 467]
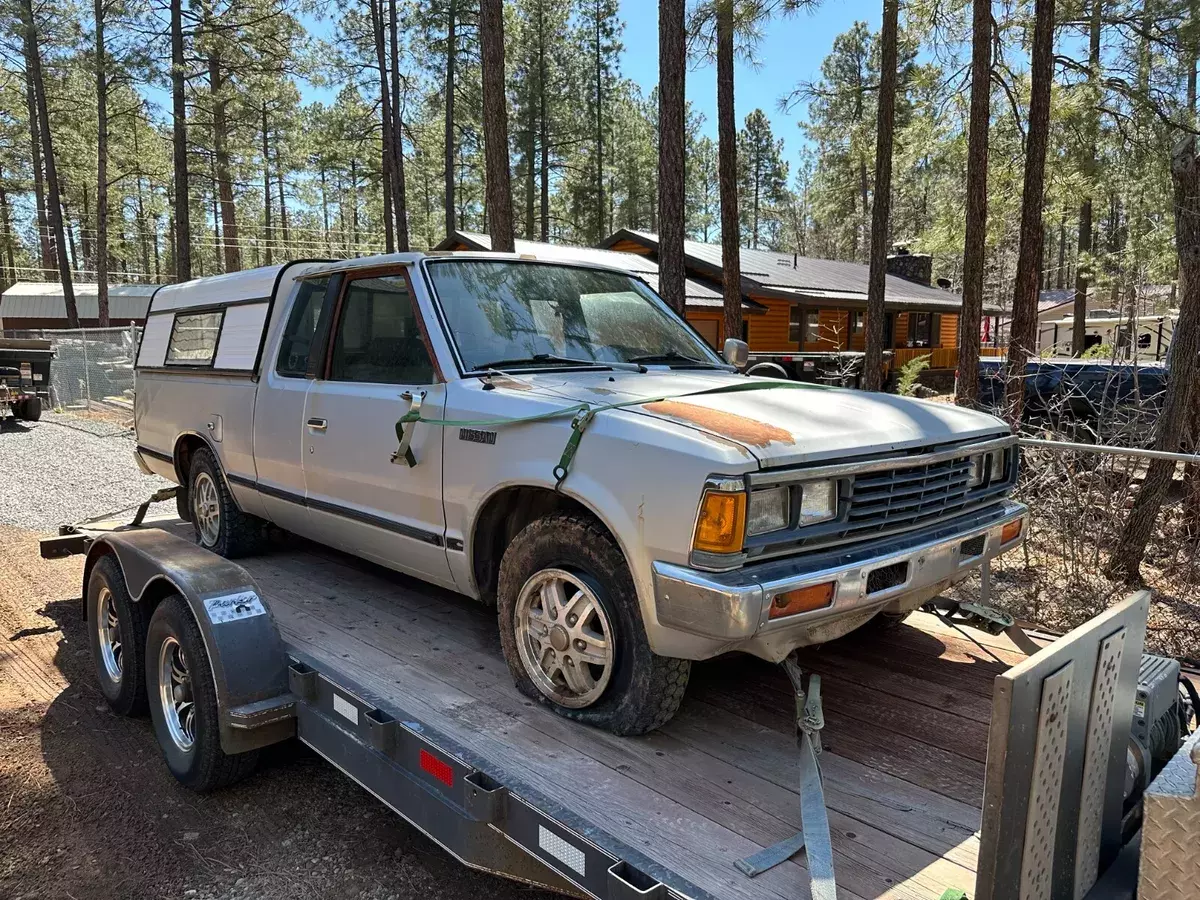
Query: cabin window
[920, 329]
[301, 327]
[193, 339]
[857, 322]
[378, 339]
[804, 326]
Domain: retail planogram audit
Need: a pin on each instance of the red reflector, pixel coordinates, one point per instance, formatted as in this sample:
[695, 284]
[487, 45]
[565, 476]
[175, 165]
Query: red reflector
[438, 769]
[785, 359]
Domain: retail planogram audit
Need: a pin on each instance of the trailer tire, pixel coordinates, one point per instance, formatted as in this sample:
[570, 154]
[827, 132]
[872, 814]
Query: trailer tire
[178, 673]
[29, 409]
[234, 533]
[117, 627]
[643, 691]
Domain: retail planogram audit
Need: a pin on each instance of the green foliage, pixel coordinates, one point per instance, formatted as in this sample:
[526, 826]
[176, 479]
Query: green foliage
[1098, 351]
[910, 373]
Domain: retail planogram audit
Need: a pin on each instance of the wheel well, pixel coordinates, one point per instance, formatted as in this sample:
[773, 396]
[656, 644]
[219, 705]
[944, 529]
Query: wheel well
[502, 518]
[185, 448]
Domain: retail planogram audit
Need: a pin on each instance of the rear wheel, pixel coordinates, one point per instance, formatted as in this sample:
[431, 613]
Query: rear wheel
[183, 702]
[220, 525]
[572, 631]
[117, 632]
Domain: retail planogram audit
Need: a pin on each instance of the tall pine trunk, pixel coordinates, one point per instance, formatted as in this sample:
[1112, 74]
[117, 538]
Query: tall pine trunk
[601, 217]
[385, 113]
[399, 187]
[220, 102]
[672, 63]
[54, 197]
[1184, 374]
[1022, 339]
[268, 233]
[881, 211]
[179, 141]
[544, 123]
[1083, 268]
[731, 265]
[49, 262]
[966, 388]
[449, 154]
[495, 126]
[101, 171]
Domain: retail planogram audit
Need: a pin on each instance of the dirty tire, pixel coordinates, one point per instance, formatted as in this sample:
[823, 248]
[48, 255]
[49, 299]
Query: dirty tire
[884, 622]
[183, 503]
[29, 409]
[205, 766]
[645, 689]
[127, 695]
[240, 534]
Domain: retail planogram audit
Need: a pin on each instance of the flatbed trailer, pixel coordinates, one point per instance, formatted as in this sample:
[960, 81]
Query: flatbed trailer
[404, 689]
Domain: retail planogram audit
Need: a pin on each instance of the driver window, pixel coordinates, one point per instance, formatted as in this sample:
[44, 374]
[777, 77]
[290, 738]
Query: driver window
[378, 340]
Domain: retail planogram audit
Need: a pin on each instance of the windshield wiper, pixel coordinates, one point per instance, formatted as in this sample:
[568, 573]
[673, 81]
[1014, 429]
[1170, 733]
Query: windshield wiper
[553, 359]
[672, 356]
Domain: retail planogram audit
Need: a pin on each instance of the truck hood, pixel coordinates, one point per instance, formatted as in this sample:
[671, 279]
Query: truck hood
[777, 426]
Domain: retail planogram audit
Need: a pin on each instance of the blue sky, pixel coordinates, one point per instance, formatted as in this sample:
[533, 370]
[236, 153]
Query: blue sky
[791, 51]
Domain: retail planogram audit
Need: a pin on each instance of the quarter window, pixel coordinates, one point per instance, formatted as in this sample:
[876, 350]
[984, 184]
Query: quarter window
[193, 339]
[378, 339]
[301, 328]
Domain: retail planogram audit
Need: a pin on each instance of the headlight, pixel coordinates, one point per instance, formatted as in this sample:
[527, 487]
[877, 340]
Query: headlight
[996, 473]
[768, 510]
[818, 502]
[989, 464]
[978, 466]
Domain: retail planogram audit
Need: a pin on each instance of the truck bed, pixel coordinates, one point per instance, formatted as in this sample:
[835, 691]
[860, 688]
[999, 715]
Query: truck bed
[905, 739]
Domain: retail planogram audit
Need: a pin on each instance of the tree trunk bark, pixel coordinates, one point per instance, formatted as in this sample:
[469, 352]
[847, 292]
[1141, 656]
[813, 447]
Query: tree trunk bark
[495, 126]
[86, 216]
[268, 234]
[731, 265]
[1083, 247]
[451, 60]
[966, 387]
[1184, 372]
[672, 68]
[1060, 276]
[10, 274]
[101, 171]
[283, 219]
[49, 261]
[179, 140]
[544, 121]
[54, 197]
[399, 185]
[1023, 336]
[601, 218]
[385, 116]
[229, 228]
[882, 207]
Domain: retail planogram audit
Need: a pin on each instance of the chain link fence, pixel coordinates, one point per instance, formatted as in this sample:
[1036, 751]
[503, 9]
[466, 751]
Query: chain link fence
[91, 366]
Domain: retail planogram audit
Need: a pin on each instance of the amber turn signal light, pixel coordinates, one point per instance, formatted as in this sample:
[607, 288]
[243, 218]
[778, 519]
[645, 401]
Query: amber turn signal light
[805, 599]
[1011, 531]
[721, 525]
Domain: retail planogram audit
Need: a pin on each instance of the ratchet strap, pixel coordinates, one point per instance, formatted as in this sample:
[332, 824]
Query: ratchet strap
[582, 416]
[814, 817]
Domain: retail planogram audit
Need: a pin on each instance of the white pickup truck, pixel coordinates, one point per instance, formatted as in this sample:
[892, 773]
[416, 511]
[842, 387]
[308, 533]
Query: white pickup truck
[547, 436]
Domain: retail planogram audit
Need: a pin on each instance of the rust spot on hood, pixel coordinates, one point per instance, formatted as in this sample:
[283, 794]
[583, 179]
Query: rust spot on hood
[601, 390]
[511, 384]
[726, 424]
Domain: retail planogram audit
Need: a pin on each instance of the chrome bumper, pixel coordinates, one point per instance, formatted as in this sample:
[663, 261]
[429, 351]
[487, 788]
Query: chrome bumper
[733, 606]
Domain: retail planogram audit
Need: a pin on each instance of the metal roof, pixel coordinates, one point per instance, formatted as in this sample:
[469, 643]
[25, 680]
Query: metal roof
[44, 300]
[803, 278]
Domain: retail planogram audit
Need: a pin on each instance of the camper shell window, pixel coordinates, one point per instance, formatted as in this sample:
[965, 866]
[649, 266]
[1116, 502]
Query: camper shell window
[194, 338]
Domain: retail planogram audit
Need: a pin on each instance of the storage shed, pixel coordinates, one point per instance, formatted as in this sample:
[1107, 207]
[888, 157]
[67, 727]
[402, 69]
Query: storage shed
[39, 305]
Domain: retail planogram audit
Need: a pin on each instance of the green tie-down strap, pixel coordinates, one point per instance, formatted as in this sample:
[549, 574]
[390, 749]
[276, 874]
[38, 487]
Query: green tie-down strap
[582, 414]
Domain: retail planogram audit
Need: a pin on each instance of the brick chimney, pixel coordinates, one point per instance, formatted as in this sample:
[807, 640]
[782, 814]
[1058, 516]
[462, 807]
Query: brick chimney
[916, 267]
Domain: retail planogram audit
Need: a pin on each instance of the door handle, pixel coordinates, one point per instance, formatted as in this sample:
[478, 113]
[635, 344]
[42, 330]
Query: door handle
[318, 424]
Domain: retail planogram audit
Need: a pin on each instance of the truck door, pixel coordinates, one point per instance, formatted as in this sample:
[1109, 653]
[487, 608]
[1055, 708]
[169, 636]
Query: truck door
[358, 498]
[279, 409]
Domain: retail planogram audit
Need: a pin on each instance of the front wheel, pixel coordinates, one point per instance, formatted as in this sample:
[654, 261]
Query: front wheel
[572, 630]
[183, 702]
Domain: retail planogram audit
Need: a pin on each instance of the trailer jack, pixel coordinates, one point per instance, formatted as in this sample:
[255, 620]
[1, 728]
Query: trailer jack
[814, 817]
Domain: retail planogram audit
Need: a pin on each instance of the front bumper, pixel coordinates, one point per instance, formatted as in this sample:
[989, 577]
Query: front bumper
[732, 609]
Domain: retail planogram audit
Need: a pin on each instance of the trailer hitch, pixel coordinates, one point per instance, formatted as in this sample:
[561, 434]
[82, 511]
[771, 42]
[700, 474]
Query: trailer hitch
[983, 618]
[814, 817]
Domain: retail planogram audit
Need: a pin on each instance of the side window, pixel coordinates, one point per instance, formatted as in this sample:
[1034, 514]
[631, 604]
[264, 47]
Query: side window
[378, 339]
[193, 339]
[301, 327]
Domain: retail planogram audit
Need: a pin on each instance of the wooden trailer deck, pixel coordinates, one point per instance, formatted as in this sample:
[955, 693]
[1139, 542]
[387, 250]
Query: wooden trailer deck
[905, 739]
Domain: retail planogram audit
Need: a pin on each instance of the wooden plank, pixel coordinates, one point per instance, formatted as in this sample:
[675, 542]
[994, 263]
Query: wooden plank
[873, 861]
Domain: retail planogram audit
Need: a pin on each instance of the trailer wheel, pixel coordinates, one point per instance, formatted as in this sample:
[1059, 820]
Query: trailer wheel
[117, 633]
[29, 409]
[183, 702]
[220, 525]
[572, 630]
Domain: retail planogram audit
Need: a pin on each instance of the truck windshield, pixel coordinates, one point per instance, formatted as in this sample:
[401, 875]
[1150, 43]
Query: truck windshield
[528, 313]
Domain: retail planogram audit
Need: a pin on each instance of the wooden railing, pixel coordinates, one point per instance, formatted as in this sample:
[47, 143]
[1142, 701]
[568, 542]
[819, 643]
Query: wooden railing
[939, 357]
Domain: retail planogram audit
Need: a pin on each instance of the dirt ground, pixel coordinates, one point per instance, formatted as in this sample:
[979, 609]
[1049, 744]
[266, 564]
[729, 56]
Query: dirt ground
[88, 810]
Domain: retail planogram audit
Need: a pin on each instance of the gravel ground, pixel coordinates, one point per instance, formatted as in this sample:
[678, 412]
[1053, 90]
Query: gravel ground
[67, 468]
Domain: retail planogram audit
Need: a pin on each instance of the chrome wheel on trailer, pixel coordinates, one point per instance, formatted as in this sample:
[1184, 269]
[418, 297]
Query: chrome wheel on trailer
[175, 694]
[206, 508]
[564, 638]
[109, 628]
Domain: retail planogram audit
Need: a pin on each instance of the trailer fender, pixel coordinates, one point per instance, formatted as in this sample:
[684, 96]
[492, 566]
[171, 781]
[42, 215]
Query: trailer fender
[245, 651]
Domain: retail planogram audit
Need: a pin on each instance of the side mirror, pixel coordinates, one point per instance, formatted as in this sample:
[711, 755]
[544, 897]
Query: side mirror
[737, 353]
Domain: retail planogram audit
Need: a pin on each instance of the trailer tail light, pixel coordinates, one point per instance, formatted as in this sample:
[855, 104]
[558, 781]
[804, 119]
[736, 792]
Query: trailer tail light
[1011, 531]
[805, 599]
[440, 770]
